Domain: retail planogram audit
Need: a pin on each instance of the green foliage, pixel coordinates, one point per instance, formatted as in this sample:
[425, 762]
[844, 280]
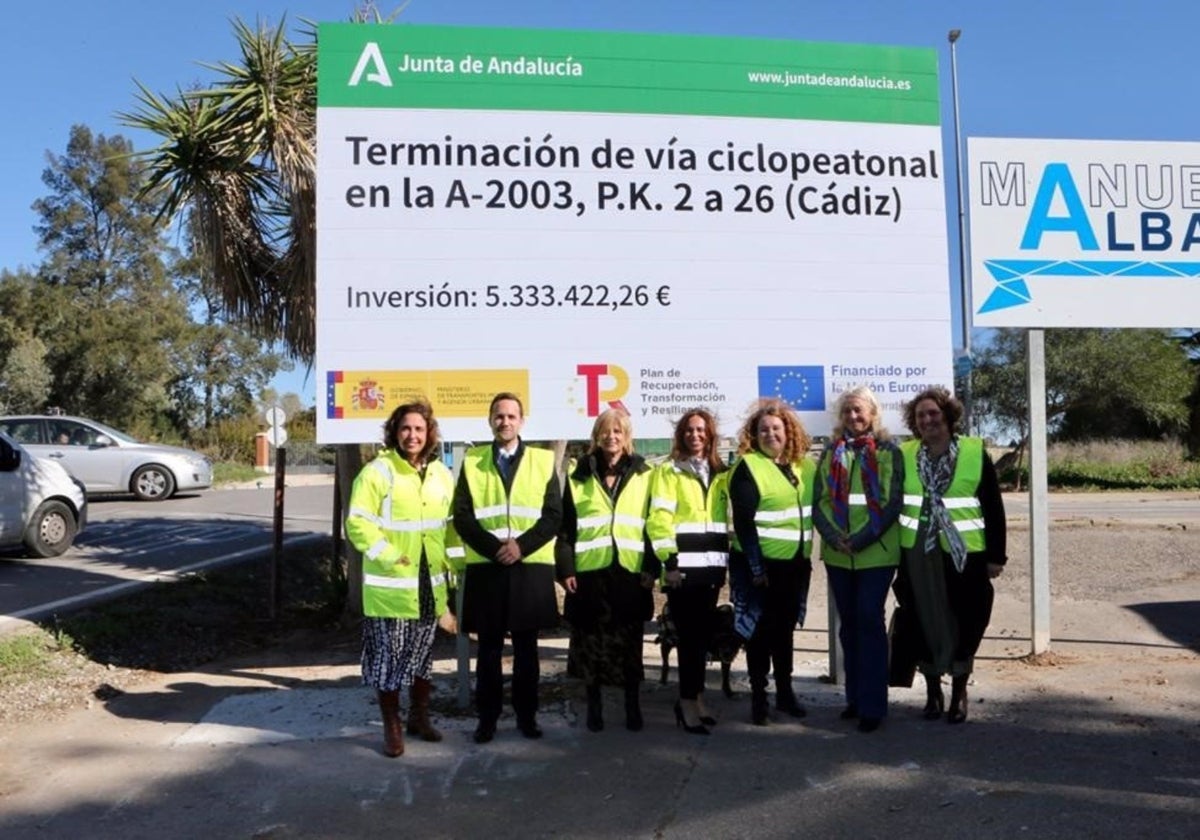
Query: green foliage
[222, 366]
[225, 472]
[115, 325]
[229, 440]
[25, 378]
[26, 653]
[1117, 465]
[302, 426]
[239, 160]
[1099, 383]
[1190, 341]
[105, 307]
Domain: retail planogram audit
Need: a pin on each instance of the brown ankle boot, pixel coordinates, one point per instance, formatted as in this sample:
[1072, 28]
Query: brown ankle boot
[393, 726]
[418, 712]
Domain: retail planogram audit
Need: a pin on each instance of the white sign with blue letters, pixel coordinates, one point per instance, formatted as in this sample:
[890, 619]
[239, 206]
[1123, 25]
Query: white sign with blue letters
[1084, 233]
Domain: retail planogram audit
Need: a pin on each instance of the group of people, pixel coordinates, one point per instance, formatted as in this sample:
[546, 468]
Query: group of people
[923, 519]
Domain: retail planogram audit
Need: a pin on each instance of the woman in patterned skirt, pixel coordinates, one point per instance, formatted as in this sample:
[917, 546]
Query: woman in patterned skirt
[604, 562]
[399, 507]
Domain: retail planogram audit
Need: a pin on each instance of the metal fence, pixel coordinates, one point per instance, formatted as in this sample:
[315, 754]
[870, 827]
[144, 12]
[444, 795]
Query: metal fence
[306, 456]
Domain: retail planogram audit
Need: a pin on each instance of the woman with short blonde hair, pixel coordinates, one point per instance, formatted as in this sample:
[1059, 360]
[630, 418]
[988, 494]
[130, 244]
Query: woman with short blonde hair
[604, 562]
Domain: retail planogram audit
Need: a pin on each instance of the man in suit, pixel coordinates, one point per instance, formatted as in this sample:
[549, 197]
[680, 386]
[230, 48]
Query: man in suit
[507, 510]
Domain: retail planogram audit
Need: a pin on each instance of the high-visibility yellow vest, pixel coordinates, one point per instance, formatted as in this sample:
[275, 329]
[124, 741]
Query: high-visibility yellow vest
[603, 526]
[508, 515]
[686, 521]
[394, 515]
[885, 551]
[784, 515]
[960, 498]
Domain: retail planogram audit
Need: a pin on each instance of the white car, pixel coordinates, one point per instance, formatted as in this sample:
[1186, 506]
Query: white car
[110, 461]
[41, 506]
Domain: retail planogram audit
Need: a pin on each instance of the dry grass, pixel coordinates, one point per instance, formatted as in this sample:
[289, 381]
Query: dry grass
[1116, 465]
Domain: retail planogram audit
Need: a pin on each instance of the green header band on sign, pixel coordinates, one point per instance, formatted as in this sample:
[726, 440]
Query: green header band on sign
[401, 66]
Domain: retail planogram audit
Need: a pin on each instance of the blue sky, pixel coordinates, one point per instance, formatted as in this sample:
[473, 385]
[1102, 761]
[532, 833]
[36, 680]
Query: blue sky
[1102, 69]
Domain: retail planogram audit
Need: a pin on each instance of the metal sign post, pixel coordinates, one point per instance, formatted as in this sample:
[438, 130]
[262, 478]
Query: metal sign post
[1039, 501]
[276, 417]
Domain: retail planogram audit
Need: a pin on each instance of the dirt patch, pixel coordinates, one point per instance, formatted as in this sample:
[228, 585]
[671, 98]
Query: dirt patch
[1046, 659]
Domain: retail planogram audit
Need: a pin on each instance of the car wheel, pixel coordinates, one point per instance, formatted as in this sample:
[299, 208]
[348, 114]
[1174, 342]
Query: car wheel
[153, 483]
[51, 531]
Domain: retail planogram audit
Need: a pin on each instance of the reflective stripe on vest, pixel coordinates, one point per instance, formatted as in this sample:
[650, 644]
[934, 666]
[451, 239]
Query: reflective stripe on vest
[508, 515]
[395, 515]
[784, 515]
[960, 498]
[600, 527]
[401, 582]
[687, 521]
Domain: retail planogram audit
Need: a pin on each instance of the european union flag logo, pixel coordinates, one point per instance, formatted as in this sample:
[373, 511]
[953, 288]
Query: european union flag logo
[801, 387]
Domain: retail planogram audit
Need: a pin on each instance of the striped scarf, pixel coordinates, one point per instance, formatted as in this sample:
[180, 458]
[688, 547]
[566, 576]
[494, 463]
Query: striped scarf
[862, 448]
[936, 473]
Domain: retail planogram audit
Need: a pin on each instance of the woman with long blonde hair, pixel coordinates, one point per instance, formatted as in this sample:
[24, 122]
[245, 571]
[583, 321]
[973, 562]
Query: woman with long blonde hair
[856, 508]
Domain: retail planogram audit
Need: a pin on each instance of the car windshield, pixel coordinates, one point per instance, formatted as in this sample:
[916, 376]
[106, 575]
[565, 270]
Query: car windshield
[114, 434]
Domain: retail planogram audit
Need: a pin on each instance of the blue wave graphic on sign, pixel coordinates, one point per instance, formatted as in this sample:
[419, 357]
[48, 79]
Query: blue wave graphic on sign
[802, 387]
[1012, 290]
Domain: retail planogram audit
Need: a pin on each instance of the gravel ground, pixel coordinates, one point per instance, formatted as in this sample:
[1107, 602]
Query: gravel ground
[1105, 562]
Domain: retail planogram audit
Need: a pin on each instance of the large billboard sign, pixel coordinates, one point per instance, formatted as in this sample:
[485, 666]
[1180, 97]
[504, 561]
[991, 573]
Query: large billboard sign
[1084, 233]
[598, 219]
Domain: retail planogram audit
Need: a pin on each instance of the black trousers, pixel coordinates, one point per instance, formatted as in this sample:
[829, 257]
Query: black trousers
[771, 646]
[692, 610]
[489, 679]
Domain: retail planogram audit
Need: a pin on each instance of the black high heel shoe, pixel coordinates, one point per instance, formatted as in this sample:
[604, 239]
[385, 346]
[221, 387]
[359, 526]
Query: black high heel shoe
[680, 721]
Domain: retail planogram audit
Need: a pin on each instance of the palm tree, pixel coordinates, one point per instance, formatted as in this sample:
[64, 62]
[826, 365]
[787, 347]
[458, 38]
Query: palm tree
[237, 164]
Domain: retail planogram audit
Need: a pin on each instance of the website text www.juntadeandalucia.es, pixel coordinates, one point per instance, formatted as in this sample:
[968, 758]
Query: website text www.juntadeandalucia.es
[787, 78]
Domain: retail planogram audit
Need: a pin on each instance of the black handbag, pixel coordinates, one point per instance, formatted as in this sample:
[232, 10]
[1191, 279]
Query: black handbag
[904, 645]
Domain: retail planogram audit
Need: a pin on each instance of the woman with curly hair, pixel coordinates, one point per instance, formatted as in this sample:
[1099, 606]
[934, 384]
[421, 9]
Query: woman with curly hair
[855, 508]
[399, 507]
[770, 491]
[954, 540]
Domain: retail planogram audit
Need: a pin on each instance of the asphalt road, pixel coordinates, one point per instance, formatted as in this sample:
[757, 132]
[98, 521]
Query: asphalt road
[1170, 507]
[128, 543]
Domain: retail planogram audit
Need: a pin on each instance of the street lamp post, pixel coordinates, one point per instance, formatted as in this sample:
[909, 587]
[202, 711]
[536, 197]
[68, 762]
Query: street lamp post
[963, 278]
